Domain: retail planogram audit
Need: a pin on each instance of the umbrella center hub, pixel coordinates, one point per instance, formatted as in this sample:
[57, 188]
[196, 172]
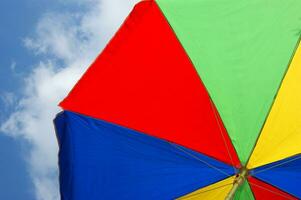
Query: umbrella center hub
[238, 181]
[241, 176]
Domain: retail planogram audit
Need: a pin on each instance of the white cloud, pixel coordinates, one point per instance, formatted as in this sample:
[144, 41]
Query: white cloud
[8, 99]
[67, 44]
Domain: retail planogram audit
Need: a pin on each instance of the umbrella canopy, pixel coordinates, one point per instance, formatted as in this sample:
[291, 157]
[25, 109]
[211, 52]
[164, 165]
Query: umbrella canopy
[189, 100]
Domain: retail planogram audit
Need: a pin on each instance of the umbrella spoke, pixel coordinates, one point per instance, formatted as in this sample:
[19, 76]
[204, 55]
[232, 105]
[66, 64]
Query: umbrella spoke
[266, 169]
[197, 158]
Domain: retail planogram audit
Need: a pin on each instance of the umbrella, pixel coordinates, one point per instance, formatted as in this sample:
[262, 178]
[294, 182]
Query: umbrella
[189, 100]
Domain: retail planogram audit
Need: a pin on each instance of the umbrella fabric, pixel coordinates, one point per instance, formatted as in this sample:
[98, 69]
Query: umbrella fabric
[280, 137]
[241, 50]
[285, 174]
[108, 160]
[262, 190]
[189, 100]
[211, 191]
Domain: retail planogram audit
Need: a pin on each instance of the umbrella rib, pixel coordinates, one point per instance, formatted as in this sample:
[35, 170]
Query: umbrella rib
[271, 191]
[263, 170]
[197, 158]
[275, 97]
[221, 132]
[201, 192]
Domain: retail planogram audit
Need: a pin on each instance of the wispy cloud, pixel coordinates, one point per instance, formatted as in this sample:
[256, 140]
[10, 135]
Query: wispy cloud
[7, 98]
[67, 43]
[13, 65]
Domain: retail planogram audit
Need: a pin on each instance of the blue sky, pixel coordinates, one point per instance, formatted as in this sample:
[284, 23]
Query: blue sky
[45, 46]
[17, 19]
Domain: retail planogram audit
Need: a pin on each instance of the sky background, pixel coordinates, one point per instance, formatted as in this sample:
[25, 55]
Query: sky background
[45, 46]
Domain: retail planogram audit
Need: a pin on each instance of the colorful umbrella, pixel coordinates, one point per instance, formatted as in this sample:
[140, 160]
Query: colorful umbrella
[194, 99]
